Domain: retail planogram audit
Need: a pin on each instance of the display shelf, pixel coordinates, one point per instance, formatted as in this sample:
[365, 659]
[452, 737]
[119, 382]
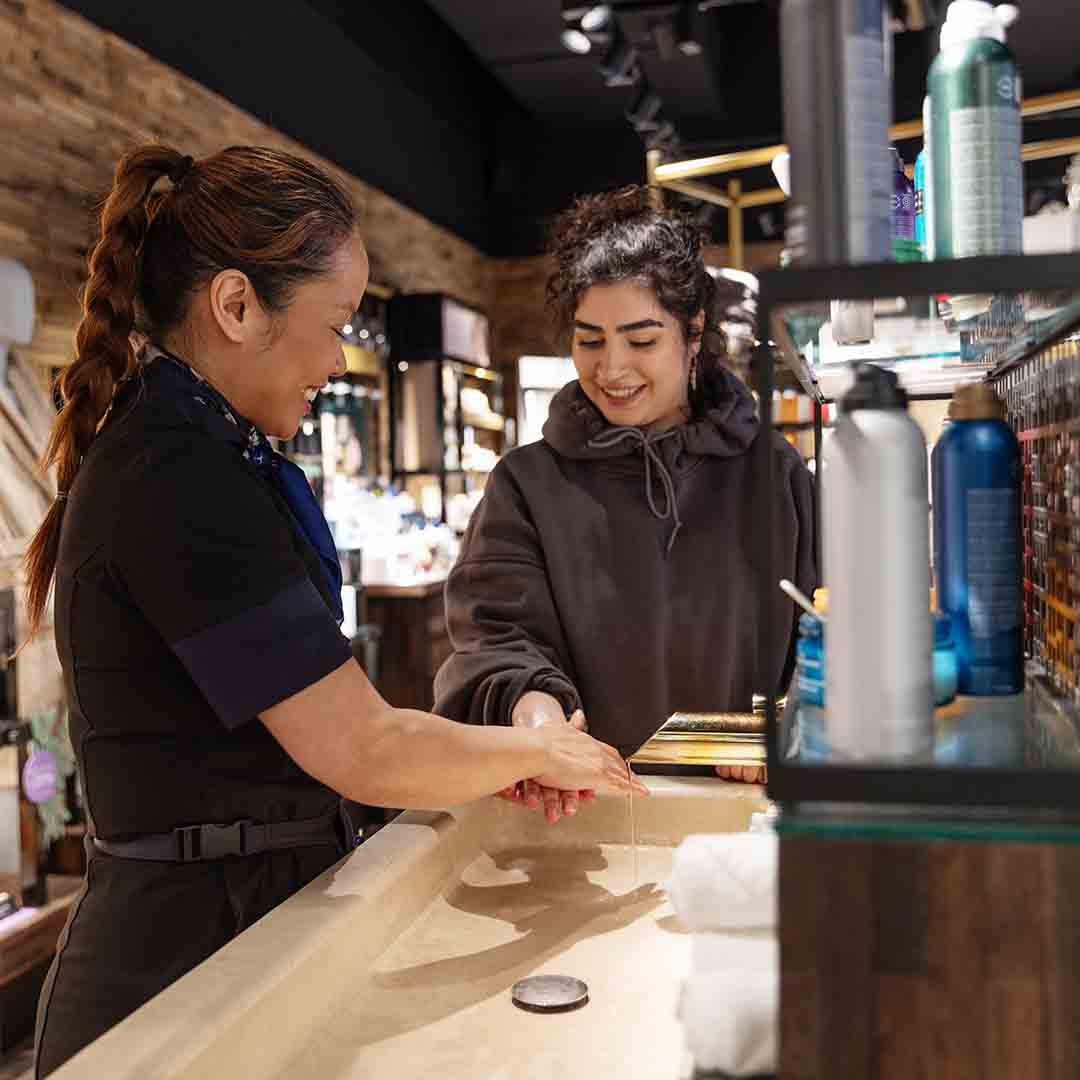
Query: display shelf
[792, 358]
[492, 422]
[974, 327]
[1047, 330]
[485, 373]
[1009, 320]
[918, 381]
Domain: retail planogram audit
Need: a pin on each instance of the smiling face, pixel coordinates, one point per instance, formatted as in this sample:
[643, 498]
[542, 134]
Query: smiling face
[632, 357]
[269, 365]
[303, 349]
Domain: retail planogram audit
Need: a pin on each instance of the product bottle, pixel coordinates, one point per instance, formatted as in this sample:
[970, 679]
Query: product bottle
[903, 202]
[945, 663]
[837, 87]
[810, 661]
[977, 179]
[920, 200]
[879, 687]
[927, 154]
[976, 476]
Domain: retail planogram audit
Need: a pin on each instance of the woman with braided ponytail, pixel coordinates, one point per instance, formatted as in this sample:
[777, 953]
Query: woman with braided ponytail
[217, 715]
[608, 575]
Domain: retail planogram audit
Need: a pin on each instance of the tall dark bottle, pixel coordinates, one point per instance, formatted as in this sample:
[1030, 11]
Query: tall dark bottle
[836, 61]
[977, 548]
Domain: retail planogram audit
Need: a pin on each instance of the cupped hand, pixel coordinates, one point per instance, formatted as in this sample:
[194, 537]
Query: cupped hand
[536, 709]
[745, 774]
[579, 762]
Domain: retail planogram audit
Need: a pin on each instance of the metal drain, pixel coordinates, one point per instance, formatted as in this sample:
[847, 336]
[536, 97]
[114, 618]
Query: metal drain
[549, 993]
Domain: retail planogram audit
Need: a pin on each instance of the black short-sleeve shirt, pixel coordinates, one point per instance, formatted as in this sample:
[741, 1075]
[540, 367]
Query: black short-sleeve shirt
[187, 601]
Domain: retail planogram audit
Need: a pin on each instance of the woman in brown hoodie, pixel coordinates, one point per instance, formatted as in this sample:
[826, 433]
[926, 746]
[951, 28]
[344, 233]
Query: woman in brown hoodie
[608, 575]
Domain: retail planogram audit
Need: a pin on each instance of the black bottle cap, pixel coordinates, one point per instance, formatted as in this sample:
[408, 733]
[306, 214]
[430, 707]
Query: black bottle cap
[874, 388]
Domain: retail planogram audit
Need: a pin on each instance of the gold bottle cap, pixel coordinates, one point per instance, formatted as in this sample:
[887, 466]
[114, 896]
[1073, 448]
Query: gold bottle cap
[977, 402]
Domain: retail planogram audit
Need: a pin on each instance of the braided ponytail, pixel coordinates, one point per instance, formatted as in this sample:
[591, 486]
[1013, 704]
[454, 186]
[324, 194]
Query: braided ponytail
[275, 217]
[103, 350]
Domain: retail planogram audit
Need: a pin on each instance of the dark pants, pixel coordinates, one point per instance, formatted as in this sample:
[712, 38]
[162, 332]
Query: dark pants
[138, 926]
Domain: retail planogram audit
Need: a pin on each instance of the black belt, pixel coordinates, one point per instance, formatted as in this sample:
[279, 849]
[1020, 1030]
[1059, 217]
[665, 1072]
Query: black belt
[196, 843]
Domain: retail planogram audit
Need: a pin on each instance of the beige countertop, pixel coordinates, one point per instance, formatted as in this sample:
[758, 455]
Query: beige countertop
[399, 960]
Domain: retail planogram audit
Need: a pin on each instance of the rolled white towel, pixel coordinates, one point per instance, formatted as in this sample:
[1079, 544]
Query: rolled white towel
[725, 881]
[744, 950]
[731, 1018]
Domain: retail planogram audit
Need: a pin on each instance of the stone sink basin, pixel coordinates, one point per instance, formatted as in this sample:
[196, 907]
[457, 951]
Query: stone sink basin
[398, 962]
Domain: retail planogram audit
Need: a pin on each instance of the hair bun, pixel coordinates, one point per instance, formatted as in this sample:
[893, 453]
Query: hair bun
[592, 215]
[179, 172]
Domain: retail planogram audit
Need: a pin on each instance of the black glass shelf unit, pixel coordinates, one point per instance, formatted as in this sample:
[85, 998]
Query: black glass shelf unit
[1014, 321]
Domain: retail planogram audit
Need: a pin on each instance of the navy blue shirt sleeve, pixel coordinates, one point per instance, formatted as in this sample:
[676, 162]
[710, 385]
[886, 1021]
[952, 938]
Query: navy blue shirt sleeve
[214, 566]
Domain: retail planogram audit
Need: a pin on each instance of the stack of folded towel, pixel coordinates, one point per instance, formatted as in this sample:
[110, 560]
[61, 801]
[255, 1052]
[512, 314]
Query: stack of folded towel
[723, 889]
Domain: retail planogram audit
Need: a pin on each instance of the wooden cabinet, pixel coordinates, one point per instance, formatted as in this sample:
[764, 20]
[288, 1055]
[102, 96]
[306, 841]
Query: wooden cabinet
[414, 640]
[937, 958]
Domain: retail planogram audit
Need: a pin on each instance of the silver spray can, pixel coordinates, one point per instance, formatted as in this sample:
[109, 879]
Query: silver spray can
[878, 646]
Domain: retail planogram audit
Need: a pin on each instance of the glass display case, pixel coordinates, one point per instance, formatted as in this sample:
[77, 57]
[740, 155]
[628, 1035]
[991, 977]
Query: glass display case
[447, 417]
[344, 444]
[1014, 323]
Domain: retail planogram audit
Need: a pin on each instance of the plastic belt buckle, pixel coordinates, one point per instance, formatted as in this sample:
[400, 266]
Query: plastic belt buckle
[197, 842]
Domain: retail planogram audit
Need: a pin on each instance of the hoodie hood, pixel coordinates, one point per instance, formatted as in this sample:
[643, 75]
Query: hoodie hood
[575, 427]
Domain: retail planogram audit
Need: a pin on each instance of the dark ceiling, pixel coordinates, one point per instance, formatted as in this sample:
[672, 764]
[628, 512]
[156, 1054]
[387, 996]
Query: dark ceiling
[473, 112]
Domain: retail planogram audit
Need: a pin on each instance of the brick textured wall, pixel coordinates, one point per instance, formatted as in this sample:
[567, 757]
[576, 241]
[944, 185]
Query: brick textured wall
[74, 98]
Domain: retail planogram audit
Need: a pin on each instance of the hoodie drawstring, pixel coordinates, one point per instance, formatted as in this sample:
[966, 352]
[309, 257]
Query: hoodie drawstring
[652, 459]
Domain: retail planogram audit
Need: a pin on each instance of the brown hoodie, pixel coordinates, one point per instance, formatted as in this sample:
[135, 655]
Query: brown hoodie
[615, 570]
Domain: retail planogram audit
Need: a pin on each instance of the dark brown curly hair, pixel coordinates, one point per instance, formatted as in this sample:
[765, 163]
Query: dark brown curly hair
[620, 236]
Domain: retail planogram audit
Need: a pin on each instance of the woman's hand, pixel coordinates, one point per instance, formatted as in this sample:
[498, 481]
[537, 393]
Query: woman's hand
[536, 709]
[578, 762]
[746, 774]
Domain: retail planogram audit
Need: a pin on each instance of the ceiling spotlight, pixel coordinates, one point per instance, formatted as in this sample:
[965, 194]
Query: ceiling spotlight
[663, 33]
[576, 41]
[685, 40]
[596, 18]
[619, 66]
[662, 138]
[644, 109]
[572, 10]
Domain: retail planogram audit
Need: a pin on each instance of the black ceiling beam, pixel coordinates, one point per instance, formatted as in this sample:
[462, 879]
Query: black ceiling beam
[389, 95]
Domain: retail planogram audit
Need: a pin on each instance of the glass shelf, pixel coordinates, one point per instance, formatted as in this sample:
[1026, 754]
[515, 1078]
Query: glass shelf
[1033, 730]
[1014, 321]
[935, 341]
[865, 822]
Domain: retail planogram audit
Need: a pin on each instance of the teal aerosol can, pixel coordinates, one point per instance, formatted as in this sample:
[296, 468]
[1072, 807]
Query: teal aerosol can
[977, 178]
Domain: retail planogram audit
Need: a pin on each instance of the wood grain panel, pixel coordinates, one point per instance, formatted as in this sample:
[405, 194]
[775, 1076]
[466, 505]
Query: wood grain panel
[73, 98]
[948, 960]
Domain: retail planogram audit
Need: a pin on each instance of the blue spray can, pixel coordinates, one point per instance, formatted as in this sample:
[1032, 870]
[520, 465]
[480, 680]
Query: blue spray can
[976, 471]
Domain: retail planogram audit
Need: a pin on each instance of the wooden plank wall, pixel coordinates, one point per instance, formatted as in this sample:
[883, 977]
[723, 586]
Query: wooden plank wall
[74, 98]
[943, 960]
